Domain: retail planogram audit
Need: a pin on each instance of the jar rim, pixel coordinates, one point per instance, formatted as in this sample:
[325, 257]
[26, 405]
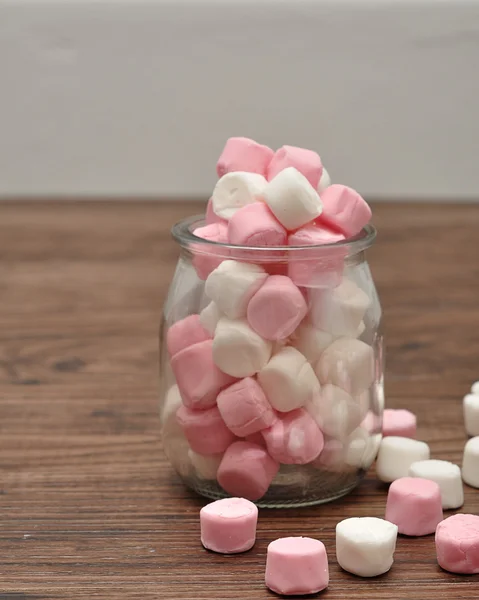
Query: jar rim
[182, 232]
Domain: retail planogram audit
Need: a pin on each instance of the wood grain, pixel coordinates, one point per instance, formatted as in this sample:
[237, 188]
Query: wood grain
[89, 508]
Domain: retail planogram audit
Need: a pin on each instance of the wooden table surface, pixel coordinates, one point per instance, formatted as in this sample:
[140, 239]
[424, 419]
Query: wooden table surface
[89, 508]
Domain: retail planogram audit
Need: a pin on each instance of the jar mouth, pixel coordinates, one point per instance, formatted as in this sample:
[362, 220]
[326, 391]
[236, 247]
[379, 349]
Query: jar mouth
[182, 232]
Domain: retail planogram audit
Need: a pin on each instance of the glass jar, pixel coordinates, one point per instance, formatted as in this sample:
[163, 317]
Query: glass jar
[271, 369]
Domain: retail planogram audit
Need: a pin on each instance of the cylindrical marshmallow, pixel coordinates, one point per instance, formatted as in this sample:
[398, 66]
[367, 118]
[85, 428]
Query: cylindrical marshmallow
[471, 414]
[277, 308]
[244, 408]
[348, 364]
[184, 333]
[294, 439]
[247, 470]
[171, 404]
[207, 257]
[255, 225]
[365, 545]
[209, 317]
[336, 413]
[228, 526]
[344, 209]
[448, 477]
[296, 566]
[398, 422]
[339, 310]
[244, 154]
[205, 465]
[198, 378]
[457, 544]
[292, 199]
[210, 216]
[307, 162]
[414, 505]
[288, 380]
[396, 455]
[324, 182]
[235, 190]
[470, 462]
[475, 388]
[310, 341]
[232, 285]
[238, 350]
[205, 430]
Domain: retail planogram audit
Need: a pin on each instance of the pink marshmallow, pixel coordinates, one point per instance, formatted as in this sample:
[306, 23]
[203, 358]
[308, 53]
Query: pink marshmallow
[294, 439]
[243, 154]
[247, 470]
[210, 216]
[296, 566]
[400, 423]
[207, 257]
[255, 225]
[199, 379]
[205, 430]
[317, 267]
[414, 505]
[228, 526]
[305, 161]
[277, 308]
[184, 333]
[344, 209]
[457, 544]
[244, 407]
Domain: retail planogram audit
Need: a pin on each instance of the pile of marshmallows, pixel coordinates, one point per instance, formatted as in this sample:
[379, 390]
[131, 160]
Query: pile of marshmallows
[272, 371]
[420, 489]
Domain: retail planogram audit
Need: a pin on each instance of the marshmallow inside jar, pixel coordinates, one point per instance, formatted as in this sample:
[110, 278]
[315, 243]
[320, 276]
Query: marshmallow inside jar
[271, 364]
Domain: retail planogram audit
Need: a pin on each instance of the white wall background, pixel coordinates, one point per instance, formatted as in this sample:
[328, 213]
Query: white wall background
[136, 97]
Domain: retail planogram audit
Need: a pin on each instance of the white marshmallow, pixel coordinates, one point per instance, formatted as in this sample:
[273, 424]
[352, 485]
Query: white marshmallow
[372, 449]
[239, 351]
[312, 342]
[324, 182]
[176, 450]
[288, 380]
[235, 190]
[447, 475]
[210, 316]
[336, 413]
[206, 466]
[470, 462]
[471, 413]
[175, 444]
[396, 455]
[172, 403]
[356, 448]
[348, 364]
[475, 388]
[232, 284]
[365, 545]
[292, 199]
[339, 310]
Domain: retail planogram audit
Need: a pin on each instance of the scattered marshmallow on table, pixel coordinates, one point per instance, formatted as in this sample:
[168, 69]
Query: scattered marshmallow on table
[205, 430]
[414, 505]
[294, 439]
[365, 545]
[470, 462]
[206, 257]
[348, 364]
[475, 388]
[238, 350]
[205, 465]
[235, 190]
[288, 380]
[307, 162]
[448, 477]
[344, 209]
[210, 316]
[247, 470]
[184, 333]
[336, 413]
[457, 544]
[277, 308]
[244, 408]
[228, 526]
[197, 376]
[471, 414]
[338, 310]
[325, 181]
[244, 154]
[255, 225]
[399, 422]
[396, 455]
[296, 566]
[292, 199]
[232, 285]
